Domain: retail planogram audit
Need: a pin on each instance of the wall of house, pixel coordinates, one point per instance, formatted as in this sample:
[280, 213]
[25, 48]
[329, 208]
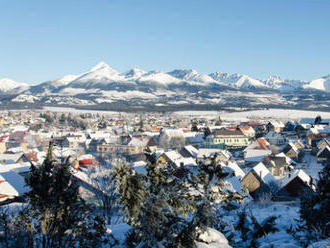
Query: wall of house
[250, 182]
[229, 141]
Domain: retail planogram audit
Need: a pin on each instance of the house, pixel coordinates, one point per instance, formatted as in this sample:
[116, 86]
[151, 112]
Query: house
[317, 133]
[12, 185]
[61, 142]
[256, 151]
[275, 138]
[275, 126]
[15, 158]
[20, 139]
[323, 143]
[149, 143]
[233, 169]
[293, 152]
[189, 151]
[296, 184]
[302, 129]
[221, 155]
[259, 128]
[75, 140]
[247, 131]
[194, 138]
[172, 138]
[299, 144]
[227, 139]
[290, 126]
[323, 155]
[277, 164]
[257, 179]
[174, 158]
[87, 160]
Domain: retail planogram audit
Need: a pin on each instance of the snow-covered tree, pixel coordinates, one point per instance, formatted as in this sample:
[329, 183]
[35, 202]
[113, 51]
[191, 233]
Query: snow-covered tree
[103, 179]
[314, 209]
[58, 213]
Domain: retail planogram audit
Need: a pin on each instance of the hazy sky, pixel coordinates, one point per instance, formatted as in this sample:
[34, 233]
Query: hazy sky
[42, 39]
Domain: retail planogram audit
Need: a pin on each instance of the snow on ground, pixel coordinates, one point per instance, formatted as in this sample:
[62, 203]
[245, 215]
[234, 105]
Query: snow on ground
[127, 94]
[284, 114]
[286, 215]
[310, 166]
[73, 110]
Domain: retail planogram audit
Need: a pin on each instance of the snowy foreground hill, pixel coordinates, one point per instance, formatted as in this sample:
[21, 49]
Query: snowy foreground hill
[102, 85]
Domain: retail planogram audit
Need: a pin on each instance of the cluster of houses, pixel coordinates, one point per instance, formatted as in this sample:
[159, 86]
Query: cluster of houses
[258, 154]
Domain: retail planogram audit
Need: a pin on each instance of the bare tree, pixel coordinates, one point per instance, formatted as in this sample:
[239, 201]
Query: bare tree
[102, 179]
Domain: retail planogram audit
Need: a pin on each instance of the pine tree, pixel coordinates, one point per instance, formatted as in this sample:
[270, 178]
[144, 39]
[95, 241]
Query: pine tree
[55, 203]
[314, 209]
[132, 190]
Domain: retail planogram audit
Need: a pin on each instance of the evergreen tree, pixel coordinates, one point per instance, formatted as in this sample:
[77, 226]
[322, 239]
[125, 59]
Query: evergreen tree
[315, 208]
[132, 190]
[56, 205]
[168, 211]
[250, 229]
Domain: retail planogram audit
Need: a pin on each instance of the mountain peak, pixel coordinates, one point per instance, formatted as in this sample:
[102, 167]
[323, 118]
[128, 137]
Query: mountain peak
[134, 73]
[100, 65]
[9, 84]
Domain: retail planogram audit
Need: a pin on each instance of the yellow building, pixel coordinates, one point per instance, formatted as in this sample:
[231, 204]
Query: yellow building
[227, 139]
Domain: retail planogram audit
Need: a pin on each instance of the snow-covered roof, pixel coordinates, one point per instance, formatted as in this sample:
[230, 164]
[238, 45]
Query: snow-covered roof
[310, 121]
[263, 173]
[273, 135]
[287, 159]
[298, 173]
[207, 152]
[173, 155]
[18, 168]
[135, 142]
[319, 129]
[233, 184]
[293, 146]
[12, 184]
[192, 150]
[173, 132]
[234, 166]
[253, 155]
[321, 151]
[185, 162]
[323, 140]
[10, 158]
[140, 167]
[277, 123]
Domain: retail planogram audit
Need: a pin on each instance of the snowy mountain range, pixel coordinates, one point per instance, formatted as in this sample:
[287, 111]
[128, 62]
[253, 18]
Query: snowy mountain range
[103, 84]
[103, 74]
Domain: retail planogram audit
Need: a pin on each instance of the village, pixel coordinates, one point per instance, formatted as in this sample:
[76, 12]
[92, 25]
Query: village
[258, 153]
[266, 160]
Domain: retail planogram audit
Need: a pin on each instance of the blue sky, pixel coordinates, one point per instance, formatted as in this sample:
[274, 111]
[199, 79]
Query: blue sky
[42, 40]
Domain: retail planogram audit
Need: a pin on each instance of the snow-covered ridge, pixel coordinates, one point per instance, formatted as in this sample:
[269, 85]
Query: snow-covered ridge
[7, 84]
[103, 77]
[322, 84]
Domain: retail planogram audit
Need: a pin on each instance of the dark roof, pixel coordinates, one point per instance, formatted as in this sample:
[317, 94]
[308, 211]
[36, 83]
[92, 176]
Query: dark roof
[228, 133]
[278, 161]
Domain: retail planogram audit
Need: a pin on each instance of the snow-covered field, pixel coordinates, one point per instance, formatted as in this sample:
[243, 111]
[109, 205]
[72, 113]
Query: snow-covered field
[285, 114]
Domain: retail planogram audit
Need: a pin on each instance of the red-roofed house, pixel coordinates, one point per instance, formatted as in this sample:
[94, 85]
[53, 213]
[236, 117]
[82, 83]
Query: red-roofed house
[247, 131]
